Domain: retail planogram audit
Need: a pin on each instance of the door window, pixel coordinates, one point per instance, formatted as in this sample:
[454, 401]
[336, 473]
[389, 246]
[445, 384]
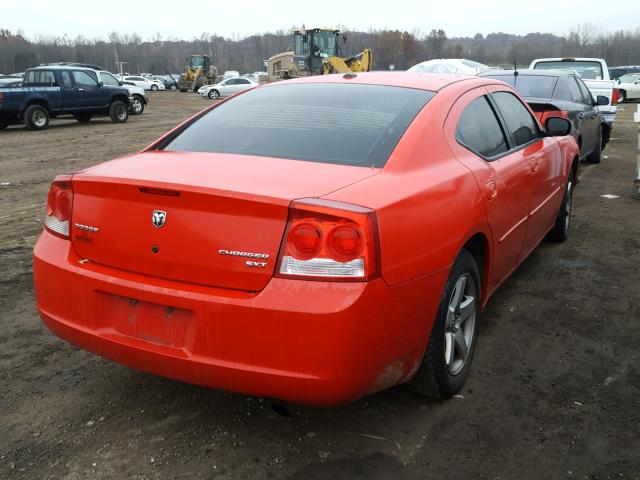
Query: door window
[479, 130]
[576, 95]
[587, 99]
[66, 79]
[519, 122]
[562, 91]
[83, 79]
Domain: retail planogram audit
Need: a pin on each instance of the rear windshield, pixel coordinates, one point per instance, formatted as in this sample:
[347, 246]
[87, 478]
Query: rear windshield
[532, 86]
[586, 70]
[350, 124]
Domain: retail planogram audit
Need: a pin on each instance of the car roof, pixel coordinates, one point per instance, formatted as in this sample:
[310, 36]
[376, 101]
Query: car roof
[527, 72]
[424, 81]
[62, 67]
[568, 59]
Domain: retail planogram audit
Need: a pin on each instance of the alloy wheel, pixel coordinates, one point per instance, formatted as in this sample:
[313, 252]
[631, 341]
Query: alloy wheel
[460, 323]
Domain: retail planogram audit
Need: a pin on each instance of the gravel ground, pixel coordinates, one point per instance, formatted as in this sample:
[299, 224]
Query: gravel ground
[554, 392]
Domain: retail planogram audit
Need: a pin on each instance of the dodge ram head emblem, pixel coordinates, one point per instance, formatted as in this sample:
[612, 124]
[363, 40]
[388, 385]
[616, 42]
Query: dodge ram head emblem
[158, 218]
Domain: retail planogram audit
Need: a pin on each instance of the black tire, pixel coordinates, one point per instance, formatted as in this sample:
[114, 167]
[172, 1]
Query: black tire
[3, 126]
[437, 377]
[596, 155]
[154, 88]
[560, 231]
[137, 105]
[118, 111]
[36, 117]
[83, 117]
[173, 87]
[213, 94]
[622, 96]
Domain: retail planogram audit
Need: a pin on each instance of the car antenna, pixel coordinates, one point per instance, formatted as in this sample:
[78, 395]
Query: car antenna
[515, 72]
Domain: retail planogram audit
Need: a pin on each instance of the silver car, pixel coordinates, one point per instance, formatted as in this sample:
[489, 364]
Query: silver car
[226, 87]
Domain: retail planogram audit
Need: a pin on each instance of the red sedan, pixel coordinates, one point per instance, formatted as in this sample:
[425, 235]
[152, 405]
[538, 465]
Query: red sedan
[314, 240]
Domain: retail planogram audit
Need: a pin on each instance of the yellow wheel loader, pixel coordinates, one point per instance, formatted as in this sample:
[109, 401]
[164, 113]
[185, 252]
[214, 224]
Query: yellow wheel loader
[316, 51]
[197, 72]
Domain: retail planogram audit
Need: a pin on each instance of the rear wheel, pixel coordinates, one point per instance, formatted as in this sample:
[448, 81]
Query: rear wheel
[447, 360]
[83, 117]
[622, 96]
[173, 87]
[118, 111]
[154, 88]
[560, 231]
[36, 117]
[3, 126]
[596, 155]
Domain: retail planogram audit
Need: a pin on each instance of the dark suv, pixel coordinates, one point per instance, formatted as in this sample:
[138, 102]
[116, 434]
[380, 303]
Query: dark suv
[55, 90]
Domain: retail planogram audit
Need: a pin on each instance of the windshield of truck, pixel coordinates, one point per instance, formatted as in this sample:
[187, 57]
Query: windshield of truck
[352, 124]
[108, 79]
[587, 70]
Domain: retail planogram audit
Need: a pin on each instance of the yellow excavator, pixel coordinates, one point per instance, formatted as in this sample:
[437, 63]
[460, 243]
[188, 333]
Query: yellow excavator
[316, 51]
[197, 72]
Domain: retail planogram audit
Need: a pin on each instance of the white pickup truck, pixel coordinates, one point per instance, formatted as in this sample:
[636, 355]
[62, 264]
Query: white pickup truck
[595, 74]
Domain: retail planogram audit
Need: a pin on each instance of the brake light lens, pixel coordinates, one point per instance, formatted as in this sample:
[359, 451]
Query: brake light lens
[615, 96]
[328, 240]
[59, 206]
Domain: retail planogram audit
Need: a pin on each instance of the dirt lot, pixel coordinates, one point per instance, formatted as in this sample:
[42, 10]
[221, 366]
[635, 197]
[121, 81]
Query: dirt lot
[554, 393]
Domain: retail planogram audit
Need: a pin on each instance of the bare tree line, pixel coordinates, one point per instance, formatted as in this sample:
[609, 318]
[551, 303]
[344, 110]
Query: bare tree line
[401, 49]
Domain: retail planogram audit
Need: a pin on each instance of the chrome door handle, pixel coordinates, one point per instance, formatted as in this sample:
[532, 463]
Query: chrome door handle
[81, 89]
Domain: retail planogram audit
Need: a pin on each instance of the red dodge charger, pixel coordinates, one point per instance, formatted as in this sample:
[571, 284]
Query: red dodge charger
[314, 240]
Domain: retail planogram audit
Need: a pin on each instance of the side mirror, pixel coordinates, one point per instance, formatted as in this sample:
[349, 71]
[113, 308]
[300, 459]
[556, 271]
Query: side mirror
[557, 127]
[602, 100]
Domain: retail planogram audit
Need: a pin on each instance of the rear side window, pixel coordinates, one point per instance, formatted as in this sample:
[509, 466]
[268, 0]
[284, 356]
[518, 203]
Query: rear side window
[518, 121]
[350, 124]
[45, 78]
[479, 130]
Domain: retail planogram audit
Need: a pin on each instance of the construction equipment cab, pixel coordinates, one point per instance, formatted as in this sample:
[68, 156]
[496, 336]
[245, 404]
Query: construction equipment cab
[317, 51]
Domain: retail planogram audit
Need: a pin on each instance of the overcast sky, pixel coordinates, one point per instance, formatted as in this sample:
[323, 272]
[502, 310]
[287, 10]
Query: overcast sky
[245, 17]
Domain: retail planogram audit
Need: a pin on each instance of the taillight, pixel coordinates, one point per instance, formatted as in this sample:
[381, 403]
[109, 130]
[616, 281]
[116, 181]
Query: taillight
[615, 96]
[59, 205]
[327, 240]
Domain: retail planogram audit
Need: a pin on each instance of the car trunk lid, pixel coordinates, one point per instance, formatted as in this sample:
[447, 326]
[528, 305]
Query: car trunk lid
[212, 219]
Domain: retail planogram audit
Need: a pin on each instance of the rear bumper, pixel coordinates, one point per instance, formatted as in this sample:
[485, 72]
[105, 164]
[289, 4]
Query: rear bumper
[314, 343]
